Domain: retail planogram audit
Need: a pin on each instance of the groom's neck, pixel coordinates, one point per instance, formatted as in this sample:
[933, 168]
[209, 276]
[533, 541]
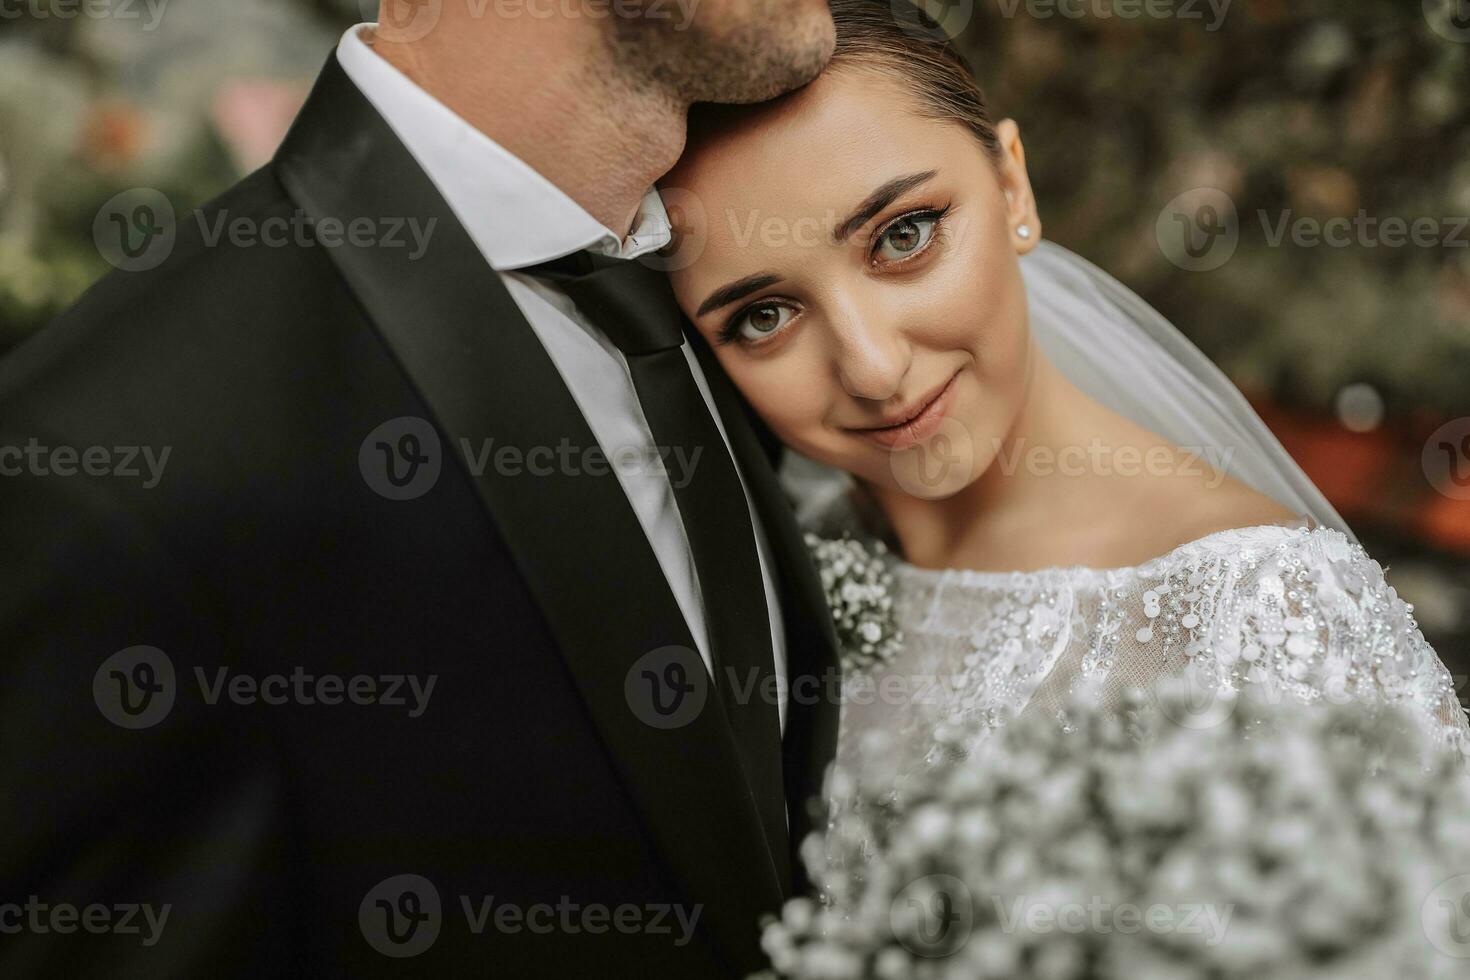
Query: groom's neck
[549, 93]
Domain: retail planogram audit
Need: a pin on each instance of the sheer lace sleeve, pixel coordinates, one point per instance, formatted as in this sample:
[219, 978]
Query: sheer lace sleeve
[1308, 616]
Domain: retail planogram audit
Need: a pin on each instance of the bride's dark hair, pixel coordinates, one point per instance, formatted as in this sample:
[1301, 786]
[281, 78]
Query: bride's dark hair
[897, 37]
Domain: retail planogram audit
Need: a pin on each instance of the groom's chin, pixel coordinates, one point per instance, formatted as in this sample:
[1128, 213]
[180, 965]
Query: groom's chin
[768, 54]
[814, 38]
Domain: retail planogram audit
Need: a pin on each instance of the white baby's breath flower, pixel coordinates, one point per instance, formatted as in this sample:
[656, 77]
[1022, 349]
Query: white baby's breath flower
[1288, 842]
[859, 589]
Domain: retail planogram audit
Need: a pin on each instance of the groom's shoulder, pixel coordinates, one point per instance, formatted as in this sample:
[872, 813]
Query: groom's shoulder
[235, 277]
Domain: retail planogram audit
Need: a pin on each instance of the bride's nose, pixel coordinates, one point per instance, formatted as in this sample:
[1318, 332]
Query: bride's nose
[871, 356]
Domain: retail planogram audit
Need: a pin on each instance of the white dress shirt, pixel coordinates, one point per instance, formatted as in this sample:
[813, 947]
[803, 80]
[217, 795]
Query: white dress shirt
[518, 218]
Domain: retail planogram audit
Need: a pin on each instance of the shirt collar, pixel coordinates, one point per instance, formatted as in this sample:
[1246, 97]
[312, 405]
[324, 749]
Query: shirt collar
[514, 215]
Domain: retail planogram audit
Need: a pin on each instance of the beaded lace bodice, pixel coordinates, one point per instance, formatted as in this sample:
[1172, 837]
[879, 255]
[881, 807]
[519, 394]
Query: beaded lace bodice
[1270, 611]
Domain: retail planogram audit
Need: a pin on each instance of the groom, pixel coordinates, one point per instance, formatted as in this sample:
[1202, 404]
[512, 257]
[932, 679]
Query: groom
[459, 627]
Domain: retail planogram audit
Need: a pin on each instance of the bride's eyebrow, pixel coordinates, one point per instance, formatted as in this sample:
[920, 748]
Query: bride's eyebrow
[878, 200]
[738, 289]
[872, 204]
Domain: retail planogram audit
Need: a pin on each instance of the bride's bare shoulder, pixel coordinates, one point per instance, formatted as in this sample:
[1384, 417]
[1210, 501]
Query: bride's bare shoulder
[1216, 502]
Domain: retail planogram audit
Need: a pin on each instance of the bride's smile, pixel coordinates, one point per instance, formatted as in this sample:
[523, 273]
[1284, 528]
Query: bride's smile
[915, 422]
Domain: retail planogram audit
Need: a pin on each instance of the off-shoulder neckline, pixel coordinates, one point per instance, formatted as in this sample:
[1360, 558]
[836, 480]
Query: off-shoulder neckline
[1212, 542]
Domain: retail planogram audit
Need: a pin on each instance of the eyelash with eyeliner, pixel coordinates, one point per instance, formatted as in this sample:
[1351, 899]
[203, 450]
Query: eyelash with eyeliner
[730, 332]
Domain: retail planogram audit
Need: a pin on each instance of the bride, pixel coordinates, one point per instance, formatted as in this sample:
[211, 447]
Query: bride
[1072, 490]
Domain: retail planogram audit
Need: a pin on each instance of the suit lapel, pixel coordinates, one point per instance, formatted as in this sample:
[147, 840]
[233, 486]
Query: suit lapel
[481, 370]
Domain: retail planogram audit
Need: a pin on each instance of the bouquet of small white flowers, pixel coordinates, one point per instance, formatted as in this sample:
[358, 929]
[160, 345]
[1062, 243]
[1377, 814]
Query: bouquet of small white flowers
[859, 589]
[1276, 841]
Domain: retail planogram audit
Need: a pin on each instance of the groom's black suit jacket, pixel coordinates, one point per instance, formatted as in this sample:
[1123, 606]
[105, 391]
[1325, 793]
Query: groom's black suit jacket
[531, 776]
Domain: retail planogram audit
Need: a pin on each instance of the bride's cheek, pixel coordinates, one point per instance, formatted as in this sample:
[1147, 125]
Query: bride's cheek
[996, 343]
[785, 399]
[993, 312]
[963, 292]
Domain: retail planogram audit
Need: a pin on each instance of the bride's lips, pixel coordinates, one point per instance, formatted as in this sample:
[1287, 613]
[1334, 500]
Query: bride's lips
[916, 424]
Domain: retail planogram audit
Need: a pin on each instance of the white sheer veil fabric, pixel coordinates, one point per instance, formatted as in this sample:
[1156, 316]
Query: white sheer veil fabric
[1120, 351]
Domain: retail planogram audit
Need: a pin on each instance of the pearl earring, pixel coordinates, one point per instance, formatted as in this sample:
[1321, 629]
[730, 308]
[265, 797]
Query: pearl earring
[1023, 231]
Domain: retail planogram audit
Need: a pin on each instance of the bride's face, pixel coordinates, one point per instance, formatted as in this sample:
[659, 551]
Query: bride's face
[854, 266]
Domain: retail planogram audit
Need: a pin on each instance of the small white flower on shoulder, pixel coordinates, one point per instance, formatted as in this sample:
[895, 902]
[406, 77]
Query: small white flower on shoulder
[859, 589]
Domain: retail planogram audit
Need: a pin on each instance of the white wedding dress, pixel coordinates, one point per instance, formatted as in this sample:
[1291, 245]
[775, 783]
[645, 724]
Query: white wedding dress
[1277, 611]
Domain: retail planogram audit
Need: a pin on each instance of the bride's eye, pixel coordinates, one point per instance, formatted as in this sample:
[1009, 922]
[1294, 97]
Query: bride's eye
[757, 323]
[907, 236]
